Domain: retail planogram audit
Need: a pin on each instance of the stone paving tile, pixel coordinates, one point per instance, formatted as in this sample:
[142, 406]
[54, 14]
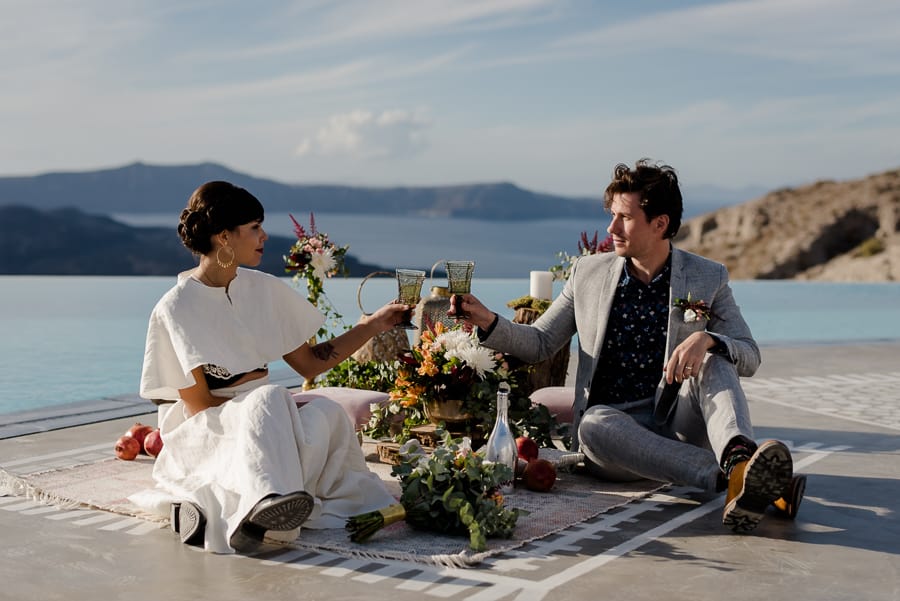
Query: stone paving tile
[872, 398]
[534, 572]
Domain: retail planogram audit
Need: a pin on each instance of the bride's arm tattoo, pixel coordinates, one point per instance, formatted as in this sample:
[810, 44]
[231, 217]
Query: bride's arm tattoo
[324, 351]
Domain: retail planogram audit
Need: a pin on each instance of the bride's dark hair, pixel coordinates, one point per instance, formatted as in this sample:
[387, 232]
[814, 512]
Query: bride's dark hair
[213, 208]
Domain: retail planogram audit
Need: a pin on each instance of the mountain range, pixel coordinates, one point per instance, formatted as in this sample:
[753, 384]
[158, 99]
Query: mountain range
[143, 188]
[828, 230]
[69, 241]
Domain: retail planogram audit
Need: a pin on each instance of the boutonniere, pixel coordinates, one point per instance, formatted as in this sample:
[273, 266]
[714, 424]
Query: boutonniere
[694, 309]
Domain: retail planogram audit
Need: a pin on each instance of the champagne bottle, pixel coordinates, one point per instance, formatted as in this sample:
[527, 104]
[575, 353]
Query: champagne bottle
[501, 445]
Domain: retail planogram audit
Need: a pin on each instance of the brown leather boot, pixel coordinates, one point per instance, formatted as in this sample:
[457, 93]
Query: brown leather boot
[789, 503]
[754, 484]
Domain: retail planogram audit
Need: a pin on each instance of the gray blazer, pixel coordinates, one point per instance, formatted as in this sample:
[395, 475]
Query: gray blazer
[583, 308]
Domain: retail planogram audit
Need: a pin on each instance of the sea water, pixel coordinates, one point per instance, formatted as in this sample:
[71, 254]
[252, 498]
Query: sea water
[500, 249]
[74, 338]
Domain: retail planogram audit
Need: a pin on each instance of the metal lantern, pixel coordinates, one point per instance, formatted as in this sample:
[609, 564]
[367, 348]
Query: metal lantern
[431, 310]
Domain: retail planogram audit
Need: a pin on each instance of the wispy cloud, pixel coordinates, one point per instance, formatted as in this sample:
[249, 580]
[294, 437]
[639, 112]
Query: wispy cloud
[354, 74]
[851, 34]
[368, 135]
[540, 92]
[362, 20]
[75, 39]
[343, 24]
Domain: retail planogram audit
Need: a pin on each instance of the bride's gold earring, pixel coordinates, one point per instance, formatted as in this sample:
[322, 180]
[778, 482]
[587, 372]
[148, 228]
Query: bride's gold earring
[224, 264]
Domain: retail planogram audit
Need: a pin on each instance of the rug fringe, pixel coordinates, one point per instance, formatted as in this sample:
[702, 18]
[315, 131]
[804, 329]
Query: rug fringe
[12, 485]
[17, 486]
[463, 559]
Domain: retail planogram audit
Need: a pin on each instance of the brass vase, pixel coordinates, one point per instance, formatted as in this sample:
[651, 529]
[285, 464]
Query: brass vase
[448, 411]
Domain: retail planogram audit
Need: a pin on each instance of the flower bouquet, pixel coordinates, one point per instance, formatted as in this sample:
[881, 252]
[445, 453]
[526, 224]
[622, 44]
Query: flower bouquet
[451, 491]
[313, 258]
[585, 247]
[449, 364]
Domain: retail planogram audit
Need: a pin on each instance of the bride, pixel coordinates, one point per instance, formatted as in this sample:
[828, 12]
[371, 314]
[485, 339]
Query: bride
[240, 460]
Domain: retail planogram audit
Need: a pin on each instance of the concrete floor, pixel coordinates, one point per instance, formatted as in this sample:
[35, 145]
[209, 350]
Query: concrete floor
[837, 406]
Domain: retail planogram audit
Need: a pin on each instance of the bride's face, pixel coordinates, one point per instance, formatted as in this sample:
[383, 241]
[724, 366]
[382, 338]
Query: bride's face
[248, 241]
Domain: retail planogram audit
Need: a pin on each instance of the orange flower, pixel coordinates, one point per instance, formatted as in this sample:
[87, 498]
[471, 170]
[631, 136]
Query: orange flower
[428, 368]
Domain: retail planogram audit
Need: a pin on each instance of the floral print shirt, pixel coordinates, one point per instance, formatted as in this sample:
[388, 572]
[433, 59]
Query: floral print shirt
[631, 362]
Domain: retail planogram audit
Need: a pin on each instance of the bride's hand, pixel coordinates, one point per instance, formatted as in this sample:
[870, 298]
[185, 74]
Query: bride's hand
[389, 315]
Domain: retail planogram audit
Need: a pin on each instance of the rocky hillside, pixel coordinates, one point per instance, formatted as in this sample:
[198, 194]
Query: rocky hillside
[836, 231]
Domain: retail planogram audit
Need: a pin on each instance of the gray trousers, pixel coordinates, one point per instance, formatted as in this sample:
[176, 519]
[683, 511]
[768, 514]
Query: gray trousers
[623, 443]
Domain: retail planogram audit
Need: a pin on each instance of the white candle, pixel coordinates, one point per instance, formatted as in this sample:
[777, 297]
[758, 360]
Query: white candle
[542, 285]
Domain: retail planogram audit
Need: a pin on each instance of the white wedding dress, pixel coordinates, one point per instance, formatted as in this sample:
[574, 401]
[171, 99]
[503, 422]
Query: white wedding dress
[226, 459]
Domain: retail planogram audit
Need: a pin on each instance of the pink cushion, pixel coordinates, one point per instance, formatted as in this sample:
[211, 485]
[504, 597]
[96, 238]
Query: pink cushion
[354, 401]
[558, 400]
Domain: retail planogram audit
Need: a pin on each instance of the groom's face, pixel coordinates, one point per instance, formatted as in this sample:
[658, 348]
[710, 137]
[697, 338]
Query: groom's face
[633, 235]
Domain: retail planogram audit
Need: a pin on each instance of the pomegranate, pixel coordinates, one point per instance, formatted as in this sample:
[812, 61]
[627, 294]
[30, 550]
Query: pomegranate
[127, 448]
[153, 443]
[527, 448]
[539, 475]
[139, 432]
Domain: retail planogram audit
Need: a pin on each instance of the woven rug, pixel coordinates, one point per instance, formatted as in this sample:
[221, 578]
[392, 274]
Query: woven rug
[106, 484]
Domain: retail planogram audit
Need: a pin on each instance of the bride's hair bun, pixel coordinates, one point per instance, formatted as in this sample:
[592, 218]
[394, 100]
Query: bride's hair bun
[213, 208]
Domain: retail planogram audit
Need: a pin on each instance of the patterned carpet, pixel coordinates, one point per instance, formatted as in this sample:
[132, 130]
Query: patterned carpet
[107, 483]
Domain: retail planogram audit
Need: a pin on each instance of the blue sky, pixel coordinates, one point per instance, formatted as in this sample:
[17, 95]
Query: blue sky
[547, 94]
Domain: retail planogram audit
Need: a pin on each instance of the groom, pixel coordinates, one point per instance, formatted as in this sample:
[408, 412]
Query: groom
[661, 347]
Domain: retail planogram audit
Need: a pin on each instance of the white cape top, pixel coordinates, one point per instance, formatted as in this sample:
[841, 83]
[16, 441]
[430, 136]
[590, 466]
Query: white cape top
[259, 319]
